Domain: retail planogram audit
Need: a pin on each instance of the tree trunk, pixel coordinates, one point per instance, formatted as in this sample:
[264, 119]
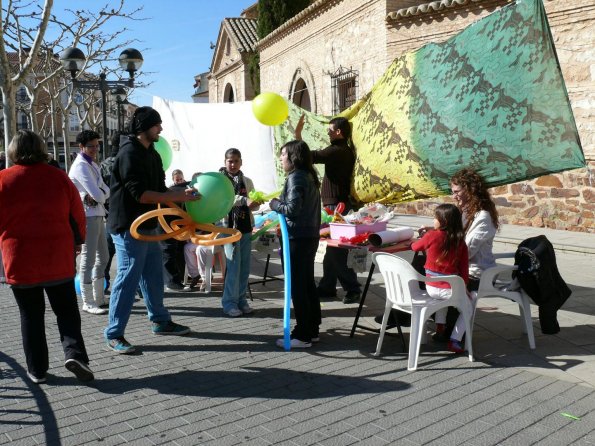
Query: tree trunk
[66, 144]
[54, 133]
[9, 114]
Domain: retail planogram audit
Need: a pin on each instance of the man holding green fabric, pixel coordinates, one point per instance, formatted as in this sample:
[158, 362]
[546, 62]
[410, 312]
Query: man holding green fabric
[338, 160]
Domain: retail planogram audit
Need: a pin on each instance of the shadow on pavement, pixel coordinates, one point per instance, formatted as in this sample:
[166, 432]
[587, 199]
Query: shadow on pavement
[11, 370]
[261, 382]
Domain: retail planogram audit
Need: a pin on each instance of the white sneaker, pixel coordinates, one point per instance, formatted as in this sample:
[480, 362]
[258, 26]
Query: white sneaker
[234, 312]
[247, 309]
[93, 309]
[294, 343]
[35, 379]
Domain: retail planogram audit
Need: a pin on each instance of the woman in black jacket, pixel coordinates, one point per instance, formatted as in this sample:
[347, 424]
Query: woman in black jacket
[300, 203]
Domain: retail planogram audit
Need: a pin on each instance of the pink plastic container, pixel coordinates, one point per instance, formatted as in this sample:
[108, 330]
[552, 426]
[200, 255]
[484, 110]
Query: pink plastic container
[348, 230]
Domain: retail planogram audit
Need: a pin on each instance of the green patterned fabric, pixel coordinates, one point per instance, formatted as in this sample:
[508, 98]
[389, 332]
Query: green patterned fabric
[492, 98]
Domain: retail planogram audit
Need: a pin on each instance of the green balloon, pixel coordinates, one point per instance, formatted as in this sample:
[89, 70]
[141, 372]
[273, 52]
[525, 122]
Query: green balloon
[217, 197]
[164, 150]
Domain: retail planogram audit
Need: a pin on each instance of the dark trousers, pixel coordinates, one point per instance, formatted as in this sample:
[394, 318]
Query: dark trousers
[173, 260]
[111, 250]
[306, 304]
[31, 304]
[334, 266]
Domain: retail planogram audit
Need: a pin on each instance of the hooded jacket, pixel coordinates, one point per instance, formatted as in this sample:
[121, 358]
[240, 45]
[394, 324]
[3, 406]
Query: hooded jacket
[136, 170]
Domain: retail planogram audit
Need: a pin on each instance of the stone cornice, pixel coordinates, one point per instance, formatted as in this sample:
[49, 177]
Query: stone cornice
[315, 8]
[428, 8]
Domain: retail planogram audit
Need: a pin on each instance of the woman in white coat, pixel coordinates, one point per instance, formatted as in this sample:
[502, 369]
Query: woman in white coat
[480, 220]
[86, 176]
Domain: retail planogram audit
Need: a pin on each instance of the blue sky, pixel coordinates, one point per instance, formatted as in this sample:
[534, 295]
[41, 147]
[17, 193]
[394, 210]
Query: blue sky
[174, 40]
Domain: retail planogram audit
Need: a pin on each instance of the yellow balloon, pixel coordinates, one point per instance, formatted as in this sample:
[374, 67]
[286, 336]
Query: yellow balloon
[270, 108]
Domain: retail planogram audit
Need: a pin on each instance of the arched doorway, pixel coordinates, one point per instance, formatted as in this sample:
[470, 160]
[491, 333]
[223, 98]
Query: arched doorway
[228, 95]
[301, 95]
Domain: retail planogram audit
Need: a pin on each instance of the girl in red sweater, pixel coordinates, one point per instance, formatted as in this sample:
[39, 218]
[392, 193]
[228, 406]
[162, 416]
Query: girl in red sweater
[446, 254]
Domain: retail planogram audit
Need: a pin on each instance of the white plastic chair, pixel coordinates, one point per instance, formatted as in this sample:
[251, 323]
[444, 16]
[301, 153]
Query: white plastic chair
[490, 286]
[212, 253]
[403, 293]
[215, 251]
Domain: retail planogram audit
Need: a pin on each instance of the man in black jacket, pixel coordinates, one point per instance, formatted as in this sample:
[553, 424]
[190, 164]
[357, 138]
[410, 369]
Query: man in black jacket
[137, 185]
[338, 160]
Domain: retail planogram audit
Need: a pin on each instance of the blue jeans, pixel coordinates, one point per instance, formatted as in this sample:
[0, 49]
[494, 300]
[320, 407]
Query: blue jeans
[138, 262]
[237, 273]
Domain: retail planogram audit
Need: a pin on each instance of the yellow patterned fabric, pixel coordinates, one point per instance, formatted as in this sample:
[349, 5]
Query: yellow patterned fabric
[492, 98]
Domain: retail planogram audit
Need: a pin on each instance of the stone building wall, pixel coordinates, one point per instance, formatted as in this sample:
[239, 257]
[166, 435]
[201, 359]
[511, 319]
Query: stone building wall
[239, 79]
[229, 69]
[347, 33]
[357, 34]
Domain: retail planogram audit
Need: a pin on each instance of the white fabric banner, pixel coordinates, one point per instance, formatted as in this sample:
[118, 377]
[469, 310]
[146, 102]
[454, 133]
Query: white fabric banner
[199, 135]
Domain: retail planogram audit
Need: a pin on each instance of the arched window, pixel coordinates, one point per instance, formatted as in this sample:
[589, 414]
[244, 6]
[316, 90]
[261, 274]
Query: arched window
[301, 95]
[228, 46]
[228, 95]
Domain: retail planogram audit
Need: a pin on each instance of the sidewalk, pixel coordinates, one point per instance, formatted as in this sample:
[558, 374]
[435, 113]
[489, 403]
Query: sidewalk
[226, 383]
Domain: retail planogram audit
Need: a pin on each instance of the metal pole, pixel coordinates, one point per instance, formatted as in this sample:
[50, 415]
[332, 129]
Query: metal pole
[103, 88]
[119, 105]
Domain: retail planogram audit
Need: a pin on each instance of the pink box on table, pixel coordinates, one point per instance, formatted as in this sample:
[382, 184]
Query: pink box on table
[349, 230]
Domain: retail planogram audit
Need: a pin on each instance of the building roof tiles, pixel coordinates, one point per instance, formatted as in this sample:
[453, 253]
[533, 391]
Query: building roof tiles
[243, 31]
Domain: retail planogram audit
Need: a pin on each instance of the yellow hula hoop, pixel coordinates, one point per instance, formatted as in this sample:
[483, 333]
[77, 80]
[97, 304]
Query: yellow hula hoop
[183, 228]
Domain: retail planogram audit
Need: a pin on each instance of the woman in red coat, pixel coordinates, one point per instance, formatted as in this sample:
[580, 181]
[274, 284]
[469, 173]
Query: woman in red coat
[42, 227]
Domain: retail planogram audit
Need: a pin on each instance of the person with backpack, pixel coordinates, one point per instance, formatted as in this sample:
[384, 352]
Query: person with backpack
[106, 173]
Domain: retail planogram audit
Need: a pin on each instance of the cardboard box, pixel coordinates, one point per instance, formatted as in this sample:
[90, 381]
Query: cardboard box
[348, 230]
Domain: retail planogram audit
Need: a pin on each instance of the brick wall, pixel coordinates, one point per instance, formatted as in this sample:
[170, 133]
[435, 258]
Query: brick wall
[356, 34]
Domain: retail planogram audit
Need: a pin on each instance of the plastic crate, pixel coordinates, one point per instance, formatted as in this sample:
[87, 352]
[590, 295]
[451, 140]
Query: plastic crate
[349, 230]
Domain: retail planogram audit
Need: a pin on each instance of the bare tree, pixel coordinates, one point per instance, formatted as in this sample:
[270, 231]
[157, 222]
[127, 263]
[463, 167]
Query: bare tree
[41, 73]
[14, 37]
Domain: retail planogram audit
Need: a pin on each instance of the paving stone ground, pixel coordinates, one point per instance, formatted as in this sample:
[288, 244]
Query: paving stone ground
[226, 383]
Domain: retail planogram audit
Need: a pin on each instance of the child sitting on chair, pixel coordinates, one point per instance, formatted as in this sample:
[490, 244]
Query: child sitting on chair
[446, 254]
[196, 257]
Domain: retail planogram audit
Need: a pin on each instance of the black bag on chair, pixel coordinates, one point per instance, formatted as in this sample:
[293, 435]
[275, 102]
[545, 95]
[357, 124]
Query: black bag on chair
[539, 277]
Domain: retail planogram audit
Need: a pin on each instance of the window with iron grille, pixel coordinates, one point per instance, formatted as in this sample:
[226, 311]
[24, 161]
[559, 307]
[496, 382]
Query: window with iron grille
[344, 83]
[22, 95]
[22, 121]
[74, 124]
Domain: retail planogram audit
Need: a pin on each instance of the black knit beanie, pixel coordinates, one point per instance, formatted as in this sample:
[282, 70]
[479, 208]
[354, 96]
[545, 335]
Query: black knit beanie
[144, 118]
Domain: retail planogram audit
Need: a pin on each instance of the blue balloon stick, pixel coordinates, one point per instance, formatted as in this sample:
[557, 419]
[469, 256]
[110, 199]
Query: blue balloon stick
[287, 274]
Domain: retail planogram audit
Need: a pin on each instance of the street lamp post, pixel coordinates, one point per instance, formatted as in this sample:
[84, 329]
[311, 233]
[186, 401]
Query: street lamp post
[120, 94]
[73, 60]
